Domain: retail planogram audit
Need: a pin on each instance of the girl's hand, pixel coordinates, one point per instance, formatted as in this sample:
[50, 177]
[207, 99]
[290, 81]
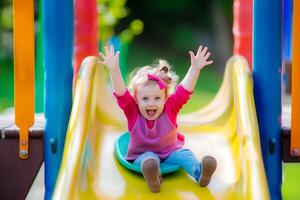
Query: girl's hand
[200, 60]
[109, 59]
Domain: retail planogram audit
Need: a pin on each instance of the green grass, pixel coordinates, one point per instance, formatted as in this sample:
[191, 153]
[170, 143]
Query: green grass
[198, 100]
[291, 181]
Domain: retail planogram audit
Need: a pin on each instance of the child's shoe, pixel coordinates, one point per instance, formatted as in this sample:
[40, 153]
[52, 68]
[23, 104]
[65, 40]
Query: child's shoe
[150, 170]
[209, 165]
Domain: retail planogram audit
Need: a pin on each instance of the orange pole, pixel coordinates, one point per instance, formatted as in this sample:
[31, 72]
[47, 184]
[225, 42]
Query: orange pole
[23, 13]
[295, 129]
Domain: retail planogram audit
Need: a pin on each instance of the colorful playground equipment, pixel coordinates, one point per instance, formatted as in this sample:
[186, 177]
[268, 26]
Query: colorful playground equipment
[244, 135]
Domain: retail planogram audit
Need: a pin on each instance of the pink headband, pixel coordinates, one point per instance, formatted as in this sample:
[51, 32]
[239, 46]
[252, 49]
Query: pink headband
[159, 81]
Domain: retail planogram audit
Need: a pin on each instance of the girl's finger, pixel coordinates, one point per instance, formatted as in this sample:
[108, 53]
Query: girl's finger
[112, 50]
[101, 63]
[204, 51]
[209, 62]
[207, 56]
[199, 50]
[106, 50]
[192, 55]
[102, 56]
[117, 55]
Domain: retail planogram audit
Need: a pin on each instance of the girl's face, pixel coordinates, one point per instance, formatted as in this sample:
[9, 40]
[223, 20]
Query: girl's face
[150, 100]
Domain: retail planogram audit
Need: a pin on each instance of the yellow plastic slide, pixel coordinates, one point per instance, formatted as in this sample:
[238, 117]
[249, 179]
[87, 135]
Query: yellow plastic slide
[226, 129]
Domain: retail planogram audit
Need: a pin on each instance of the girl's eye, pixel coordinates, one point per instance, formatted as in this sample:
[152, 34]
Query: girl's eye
[157, 98]
[145, 98]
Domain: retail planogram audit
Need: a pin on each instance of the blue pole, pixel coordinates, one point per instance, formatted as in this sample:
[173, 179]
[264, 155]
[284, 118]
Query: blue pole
[58, 51]
[267, 67]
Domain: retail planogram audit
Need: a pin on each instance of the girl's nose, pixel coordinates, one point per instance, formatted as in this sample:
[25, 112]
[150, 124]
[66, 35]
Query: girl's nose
[152, 103]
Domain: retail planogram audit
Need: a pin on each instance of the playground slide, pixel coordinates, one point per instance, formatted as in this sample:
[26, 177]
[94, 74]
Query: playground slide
[226, 128]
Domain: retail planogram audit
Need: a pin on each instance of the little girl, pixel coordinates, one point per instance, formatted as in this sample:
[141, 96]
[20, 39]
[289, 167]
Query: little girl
[151, 110]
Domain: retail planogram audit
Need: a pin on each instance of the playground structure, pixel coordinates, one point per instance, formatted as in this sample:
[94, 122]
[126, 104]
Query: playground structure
[90, 171]
[228, 125]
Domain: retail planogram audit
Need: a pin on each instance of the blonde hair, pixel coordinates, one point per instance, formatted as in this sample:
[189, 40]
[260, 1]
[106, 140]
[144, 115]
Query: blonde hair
[161, 68]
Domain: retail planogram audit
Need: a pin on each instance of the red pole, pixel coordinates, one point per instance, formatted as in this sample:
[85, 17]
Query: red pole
[85, 32]
[242, 29]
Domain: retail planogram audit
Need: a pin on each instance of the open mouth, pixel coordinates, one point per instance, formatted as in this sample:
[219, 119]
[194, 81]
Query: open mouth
[151, 112]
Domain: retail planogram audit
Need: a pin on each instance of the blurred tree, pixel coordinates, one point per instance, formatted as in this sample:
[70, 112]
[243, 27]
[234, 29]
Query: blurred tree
[6, 26]
[178, 26]
[110, 13]
[6, 54]
[6, 16]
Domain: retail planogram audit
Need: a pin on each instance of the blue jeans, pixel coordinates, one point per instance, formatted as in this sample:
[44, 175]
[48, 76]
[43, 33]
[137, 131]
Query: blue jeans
[182, 157]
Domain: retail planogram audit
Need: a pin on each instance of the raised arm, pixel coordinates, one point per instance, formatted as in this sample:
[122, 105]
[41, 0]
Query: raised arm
[198, 61]
[111, 61]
